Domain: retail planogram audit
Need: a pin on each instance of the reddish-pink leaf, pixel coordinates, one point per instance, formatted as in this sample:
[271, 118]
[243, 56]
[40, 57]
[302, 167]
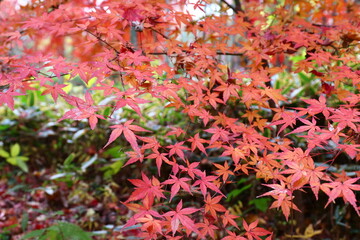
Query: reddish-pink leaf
[179, 216]
[344, 189]
[146, 189]
[176, 184]
[206, 182]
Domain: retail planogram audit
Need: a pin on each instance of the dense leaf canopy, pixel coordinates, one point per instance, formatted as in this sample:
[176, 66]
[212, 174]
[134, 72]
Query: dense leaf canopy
[263, 88]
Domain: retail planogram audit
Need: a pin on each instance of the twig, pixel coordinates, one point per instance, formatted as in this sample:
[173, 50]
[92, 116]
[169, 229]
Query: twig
[229, 5]
[47, 75]
[101, 40]
[238, 6]
[217, 53]
[160, 33]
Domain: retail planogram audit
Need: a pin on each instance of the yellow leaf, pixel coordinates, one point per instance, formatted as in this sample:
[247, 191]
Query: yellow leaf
[309, 233]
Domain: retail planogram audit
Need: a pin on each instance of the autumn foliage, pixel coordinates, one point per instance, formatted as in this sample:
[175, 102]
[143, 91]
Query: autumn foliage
[266, 88]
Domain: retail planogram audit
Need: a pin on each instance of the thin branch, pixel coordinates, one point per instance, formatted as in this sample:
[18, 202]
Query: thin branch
[122, 80]
[101, 40]
[238, 6]
[77, 19]
[324, 25]
[229, 5]
[217, 53]
[228, 53]
[47, 75]
[160, 33]
[44, 74]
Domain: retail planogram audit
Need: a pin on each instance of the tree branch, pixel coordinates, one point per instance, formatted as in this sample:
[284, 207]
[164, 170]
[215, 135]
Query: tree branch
[217, 53]
[102, 40]
[238, 6]
[229, 5]
[161, 34]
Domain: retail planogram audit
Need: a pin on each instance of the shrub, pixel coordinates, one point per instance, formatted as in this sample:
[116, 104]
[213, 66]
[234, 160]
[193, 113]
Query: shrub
[267, 90]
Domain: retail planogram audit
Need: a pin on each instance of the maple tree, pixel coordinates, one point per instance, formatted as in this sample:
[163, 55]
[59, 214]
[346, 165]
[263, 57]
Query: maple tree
[233, 74]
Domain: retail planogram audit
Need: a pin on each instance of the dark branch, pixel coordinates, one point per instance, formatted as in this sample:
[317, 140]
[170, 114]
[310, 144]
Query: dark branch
[217, 53]
[238, 6]
[161, 34]
[53, 76]
[230, 6]
[102, 40]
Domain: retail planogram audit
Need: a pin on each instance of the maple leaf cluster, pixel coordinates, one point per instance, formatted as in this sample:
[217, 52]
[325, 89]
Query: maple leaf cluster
[134, 53]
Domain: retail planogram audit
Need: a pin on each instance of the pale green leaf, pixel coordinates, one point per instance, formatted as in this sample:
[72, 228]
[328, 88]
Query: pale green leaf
[4, 154]
[15, 150]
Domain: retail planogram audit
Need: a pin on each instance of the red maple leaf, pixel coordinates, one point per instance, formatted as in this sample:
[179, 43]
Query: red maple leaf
[218, 133]
[274, 94]
[317, 106]
[159, 158]
[213, 99]
[344, 189]
[207, 229]
[233, 236]
[177, 149]
[235, 152]
[228, 90]
[8, 98]
[134, 157]
[151, 143]
[309, 127]
[177, 131]
[206, 182]
[191, 169]
[287, 119]
[285, 203]
[150, 225]
[229, 218]
[108, 89]
[146, 189]
[54, 90]
[177, 183]
[131, 101]
[197, 142]
[283, 198]
[137, 58]
[84, 109]
[179, 216]
[127, 129]
[252, 231]
[141, 210]
[223, 171]
[212, 205]
[346, 117]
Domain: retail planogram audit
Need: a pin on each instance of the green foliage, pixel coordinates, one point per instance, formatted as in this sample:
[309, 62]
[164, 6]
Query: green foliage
[59, 231]
[14, 158]
[261, 204]
[263, 106]
[5, 234]
[236, 192]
